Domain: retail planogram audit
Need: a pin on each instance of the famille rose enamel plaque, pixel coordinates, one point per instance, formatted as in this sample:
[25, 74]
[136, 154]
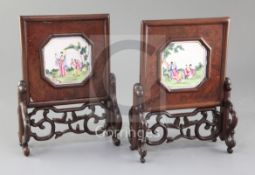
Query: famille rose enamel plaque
[66, 60]
[183, 64]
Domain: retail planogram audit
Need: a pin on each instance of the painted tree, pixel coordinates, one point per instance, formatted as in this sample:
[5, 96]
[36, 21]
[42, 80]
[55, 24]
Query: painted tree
[172, 48]
[81, 49]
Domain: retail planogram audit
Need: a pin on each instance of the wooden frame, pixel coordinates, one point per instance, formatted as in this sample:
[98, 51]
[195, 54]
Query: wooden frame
[210, 96]
[46, 20]
[216, 23]
[97, 90]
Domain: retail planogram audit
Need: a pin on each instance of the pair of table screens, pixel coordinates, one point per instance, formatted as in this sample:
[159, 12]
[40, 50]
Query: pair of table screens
[66, 59]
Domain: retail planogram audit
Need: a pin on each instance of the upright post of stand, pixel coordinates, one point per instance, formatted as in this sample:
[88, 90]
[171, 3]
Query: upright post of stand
[229, 117]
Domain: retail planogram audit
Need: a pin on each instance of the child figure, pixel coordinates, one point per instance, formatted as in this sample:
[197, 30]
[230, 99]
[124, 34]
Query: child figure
[73, 66]
[77, 67]
[189, 71]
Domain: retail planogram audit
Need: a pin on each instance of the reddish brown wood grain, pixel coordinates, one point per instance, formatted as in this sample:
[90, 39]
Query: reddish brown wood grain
[35, 32]
[155, 33]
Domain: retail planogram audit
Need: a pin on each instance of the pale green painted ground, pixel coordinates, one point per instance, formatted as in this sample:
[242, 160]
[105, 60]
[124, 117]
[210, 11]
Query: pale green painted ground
[71, 77]
[184, 83]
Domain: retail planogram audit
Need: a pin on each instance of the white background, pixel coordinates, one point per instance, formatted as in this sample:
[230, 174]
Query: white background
[83, 154]
[194, 53]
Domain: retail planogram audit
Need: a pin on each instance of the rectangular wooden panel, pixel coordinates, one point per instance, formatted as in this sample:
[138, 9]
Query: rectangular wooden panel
[156, 34]
[36, 30]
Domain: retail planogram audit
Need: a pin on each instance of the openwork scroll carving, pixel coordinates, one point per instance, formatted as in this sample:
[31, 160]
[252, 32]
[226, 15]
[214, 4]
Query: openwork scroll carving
[76, 119]
[219, 121]
[71, 122]
[184, 123]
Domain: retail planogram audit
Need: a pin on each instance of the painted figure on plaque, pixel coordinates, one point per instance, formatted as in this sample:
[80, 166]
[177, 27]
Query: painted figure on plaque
[67, 60]
[183, 65]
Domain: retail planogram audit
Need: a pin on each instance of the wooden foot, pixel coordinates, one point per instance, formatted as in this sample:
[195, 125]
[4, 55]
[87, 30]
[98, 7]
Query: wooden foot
[143, 153]
[142, 160]
[230, 150]
[116, 141]
[142, 148]
[26, 150]
[230, 142]
[132, 148]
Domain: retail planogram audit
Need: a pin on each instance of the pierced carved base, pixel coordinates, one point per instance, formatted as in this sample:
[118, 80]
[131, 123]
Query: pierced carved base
[203, 124]
[75, 119]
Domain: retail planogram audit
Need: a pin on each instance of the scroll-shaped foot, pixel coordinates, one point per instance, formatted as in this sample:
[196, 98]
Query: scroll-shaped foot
[132, 147]
[143, 153]
[26, 150]
[230, 142]
[116, 130]
[115, 140]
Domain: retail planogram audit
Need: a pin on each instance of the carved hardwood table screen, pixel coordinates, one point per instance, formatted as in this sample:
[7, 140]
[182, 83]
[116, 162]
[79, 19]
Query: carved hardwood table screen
[66, 61]
[182, 66]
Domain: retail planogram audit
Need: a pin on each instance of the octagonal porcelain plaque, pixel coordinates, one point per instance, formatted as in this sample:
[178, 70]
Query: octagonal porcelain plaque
[183, 64]
[66, 60]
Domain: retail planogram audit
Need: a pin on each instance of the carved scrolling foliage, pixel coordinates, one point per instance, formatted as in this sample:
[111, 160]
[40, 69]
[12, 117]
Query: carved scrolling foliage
[183, 122]
[71, 122]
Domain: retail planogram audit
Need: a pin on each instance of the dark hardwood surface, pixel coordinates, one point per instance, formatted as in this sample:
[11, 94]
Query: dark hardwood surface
[35, 32]
[155, 34]
[210, 100]
[37, 95]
